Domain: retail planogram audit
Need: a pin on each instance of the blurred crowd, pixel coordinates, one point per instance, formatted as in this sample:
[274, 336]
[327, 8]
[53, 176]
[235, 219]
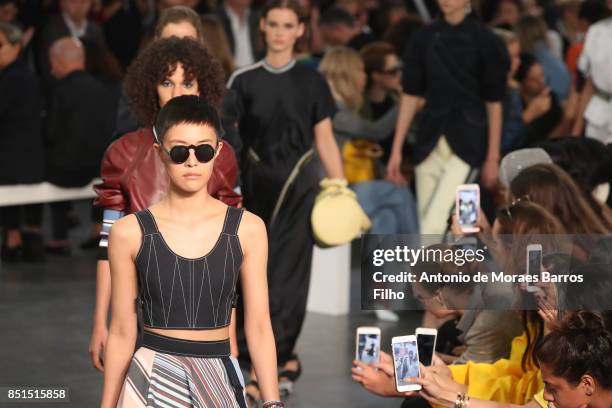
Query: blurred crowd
[515, 95]
[63, 62]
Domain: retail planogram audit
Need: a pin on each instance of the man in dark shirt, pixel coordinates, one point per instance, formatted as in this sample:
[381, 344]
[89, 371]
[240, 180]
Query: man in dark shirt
[78, 128]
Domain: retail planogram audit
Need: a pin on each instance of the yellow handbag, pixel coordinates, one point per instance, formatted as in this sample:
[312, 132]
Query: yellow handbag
[337, 217]
[359, 158]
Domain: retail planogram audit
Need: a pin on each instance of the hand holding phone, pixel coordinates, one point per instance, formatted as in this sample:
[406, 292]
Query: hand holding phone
[534, 266]
[467, 207]
[405, 362]
[367, 348]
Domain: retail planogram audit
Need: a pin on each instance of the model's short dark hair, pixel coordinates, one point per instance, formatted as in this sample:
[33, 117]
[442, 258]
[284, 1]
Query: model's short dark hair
[580, 345]
[186, 109]
[337, 16]
[158, 61]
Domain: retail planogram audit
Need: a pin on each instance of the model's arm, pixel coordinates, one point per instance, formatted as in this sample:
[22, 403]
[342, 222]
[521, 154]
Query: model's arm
[409, 105]
[257, 324]
[490, 168]
[124, 242]
[583, 100]
[327, 148]
[99, 333]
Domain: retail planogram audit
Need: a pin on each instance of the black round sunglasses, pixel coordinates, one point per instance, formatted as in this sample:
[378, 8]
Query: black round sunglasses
[180, 153]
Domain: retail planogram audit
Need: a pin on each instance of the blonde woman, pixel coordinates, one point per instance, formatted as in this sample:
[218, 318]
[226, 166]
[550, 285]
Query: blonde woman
[391, 208]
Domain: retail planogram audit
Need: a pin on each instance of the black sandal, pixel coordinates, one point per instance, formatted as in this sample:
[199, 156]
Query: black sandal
[286, 378]
[253, 398]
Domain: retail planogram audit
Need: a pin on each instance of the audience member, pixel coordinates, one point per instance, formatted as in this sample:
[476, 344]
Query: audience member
[72, 21]
[552, 188]
[542, 114]
[400, 33]
[21, 147]
[122, 22]
[339, 27]
[215, 40]
[384, 85]
[532, 33]
[596, 98]
[77, 131]
[512, 109]
[241, 26]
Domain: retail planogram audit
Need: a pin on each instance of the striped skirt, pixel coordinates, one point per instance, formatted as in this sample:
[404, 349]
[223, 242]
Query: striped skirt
[167, 379]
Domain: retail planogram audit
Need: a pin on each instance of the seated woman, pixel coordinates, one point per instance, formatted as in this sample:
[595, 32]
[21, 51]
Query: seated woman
[575, 360]
[186, 297]
[384, 85]
[391, 208]
[542, 113]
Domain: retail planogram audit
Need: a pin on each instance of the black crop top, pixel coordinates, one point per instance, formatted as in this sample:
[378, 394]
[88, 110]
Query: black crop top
[184, 293]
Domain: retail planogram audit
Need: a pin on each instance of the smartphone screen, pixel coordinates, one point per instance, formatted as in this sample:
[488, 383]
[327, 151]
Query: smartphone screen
[535, 262]
[425, 343]
[468, 207]
[406, 361]
[368, 350]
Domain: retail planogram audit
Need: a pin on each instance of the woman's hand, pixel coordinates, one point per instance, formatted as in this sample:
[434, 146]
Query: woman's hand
[437, 389]
[97, 344]
[394, 173]
[439, 367]
[378, 378]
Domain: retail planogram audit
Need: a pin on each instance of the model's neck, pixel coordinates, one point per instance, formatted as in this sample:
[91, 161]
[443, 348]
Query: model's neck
[279, 59]
[377, 94]
[186, 207]
[455, 17]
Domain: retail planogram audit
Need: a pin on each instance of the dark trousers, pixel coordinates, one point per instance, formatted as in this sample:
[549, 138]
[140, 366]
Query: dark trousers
[59, 219]
[14, 217]
[290, 243]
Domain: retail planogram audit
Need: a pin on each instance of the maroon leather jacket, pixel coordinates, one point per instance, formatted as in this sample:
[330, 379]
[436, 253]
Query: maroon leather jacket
[134, 178]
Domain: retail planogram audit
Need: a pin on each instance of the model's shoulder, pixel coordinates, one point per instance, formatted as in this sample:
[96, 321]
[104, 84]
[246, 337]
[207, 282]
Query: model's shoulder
[244, 73]
[126, 228]
[251, 224]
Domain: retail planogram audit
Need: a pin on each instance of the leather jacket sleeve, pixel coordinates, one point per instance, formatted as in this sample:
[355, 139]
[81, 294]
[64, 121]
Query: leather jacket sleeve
[116, 160]
[224, 177]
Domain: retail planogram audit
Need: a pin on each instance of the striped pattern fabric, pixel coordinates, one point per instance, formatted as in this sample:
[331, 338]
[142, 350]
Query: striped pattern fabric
[167, 381]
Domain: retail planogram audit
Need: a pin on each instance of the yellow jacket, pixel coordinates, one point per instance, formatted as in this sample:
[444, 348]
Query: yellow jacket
[505, 380]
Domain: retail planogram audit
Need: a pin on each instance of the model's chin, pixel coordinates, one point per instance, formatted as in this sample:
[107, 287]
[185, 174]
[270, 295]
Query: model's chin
[191, 187]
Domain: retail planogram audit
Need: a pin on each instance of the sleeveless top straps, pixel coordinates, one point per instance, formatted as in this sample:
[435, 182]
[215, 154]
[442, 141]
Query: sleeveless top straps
[232, 221]
[147, 223]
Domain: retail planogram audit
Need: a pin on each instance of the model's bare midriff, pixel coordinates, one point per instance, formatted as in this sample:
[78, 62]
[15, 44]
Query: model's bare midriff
[197, 335]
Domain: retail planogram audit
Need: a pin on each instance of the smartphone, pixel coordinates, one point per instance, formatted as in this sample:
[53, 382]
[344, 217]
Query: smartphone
[467, 207]
[367, 349]
[426, 344]
[534, 264]
[405, 362]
